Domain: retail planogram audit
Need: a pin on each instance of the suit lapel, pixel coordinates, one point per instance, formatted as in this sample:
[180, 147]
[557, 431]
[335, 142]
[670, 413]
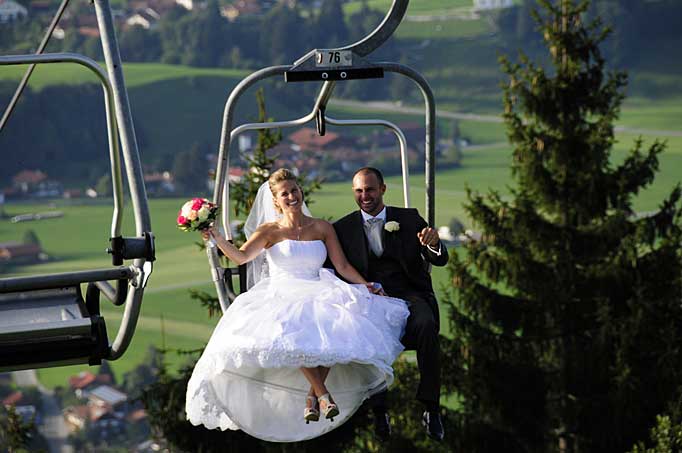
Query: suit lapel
[391, 239]
[360, 251]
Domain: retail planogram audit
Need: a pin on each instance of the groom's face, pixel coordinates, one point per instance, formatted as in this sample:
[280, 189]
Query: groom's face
[369, 193]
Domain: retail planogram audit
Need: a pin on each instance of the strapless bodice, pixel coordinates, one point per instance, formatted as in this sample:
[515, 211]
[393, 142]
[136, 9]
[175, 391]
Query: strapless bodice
[297, 259]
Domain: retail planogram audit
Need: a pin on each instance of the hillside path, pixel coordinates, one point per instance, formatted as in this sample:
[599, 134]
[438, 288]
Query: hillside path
[384, 106]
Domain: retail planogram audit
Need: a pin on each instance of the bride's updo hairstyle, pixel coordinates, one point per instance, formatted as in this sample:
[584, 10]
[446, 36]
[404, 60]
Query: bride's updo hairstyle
[283, 174]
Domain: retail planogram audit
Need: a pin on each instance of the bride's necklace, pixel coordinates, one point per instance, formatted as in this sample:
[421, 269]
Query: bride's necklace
[300, 228]
[298, 231]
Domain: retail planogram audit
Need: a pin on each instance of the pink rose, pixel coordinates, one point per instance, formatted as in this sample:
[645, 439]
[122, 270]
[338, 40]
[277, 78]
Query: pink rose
[197, 203]
[181, 220]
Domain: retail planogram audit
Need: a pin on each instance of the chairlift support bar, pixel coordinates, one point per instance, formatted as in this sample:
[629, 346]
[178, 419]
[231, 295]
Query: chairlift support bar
[64, 279]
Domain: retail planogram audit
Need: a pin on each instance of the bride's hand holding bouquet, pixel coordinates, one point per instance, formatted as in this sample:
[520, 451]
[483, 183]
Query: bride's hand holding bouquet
[197, 215]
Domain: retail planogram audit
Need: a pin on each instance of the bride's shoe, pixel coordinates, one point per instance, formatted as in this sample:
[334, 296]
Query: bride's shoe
[328, 407]
[311, 414]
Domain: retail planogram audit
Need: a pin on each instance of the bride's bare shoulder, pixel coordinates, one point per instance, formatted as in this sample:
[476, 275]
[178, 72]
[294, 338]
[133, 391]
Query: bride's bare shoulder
[268, 229]
[322, 225]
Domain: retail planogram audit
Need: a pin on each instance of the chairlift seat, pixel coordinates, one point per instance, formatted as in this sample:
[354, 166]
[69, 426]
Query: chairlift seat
[50, 327]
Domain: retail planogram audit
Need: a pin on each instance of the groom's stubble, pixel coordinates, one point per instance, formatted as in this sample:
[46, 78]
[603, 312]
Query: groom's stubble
[369, 192]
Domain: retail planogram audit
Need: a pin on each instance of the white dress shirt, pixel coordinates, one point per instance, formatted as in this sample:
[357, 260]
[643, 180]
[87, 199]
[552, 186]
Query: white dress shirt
[382, 216]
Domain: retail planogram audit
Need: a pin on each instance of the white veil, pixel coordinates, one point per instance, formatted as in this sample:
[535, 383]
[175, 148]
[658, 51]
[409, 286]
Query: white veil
[262, 211]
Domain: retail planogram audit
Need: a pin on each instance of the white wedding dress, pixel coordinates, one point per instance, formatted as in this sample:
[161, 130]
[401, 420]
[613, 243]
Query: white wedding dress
[302, 315]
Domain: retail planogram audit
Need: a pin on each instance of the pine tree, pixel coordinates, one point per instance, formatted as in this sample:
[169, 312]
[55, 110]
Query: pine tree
[15, 433]
[567, 312]
[259, 163]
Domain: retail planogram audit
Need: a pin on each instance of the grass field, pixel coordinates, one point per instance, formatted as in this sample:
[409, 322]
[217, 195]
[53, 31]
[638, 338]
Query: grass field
[136, 74]
[446, 28]
[415, 7]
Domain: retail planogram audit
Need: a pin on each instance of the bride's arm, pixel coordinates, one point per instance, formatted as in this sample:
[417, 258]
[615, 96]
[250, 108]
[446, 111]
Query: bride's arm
[338, 258]
[247, 252]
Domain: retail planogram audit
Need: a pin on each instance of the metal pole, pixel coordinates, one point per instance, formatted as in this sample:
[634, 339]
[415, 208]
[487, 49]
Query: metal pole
[383, 31]
[124, 118]
[16, 284]
[429, 143]
[221, 191]
[29, 70]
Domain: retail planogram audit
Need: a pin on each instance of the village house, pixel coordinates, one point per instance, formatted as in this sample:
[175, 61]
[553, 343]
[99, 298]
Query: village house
[104, 414]
[84, 381]
[18, 253]
[159, 183]
[22, 406]
[480, 5]
[146, 18]
[11, 11]
[307, 139]
[35, 183]
[240, 8]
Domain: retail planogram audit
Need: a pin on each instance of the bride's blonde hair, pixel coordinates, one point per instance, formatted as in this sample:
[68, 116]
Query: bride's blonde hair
[283, 174]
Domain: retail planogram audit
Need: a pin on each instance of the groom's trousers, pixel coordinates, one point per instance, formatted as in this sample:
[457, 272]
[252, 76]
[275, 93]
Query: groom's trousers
[421, 335]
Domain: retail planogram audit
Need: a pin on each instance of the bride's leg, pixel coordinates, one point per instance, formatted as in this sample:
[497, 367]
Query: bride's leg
[327, 404]
[316, 382]
[324, 372]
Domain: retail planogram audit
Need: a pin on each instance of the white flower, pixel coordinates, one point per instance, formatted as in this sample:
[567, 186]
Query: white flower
[259, 171]
[203, 213]
[392, 226]
[186, 209]
[192, 215]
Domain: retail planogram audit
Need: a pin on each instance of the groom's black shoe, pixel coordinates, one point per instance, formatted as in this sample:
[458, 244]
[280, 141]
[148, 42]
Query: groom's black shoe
[433, 424]
[382, 426]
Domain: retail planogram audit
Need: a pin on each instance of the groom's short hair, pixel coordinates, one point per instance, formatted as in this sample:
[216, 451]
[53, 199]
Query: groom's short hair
[376, 172]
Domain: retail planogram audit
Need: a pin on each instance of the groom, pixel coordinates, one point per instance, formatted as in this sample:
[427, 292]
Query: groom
[393, 246]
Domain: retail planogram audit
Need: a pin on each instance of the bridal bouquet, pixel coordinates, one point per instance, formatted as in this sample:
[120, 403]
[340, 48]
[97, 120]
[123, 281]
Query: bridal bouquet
[197, 214]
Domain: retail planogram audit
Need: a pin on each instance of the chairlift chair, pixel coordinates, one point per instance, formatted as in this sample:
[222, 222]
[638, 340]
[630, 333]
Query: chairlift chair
[328, 66]
[44, 319]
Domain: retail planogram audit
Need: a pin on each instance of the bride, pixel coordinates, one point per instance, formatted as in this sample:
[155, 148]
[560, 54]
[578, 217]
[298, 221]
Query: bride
[299, 335]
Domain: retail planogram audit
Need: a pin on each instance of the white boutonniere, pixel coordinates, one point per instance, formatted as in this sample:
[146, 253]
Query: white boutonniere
[392, 226]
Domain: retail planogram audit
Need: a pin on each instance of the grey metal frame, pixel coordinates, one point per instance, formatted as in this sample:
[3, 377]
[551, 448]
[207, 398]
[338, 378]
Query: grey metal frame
[119, 123]
[361, 48]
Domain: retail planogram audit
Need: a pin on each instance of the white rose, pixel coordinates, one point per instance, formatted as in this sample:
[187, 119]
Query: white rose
[392, 226]
[192, 215]
[203, 213]
[186, 209]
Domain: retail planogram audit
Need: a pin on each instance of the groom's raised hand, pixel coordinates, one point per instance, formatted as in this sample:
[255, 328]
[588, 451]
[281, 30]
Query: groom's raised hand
[428, 237]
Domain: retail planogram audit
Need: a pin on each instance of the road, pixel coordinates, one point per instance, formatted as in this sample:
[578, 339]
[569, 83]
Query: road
[53, 427]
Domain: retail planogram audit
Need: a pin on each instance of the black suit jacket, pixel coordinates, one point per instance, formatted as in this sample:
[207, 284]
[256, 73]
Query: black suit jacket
[402, 245]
